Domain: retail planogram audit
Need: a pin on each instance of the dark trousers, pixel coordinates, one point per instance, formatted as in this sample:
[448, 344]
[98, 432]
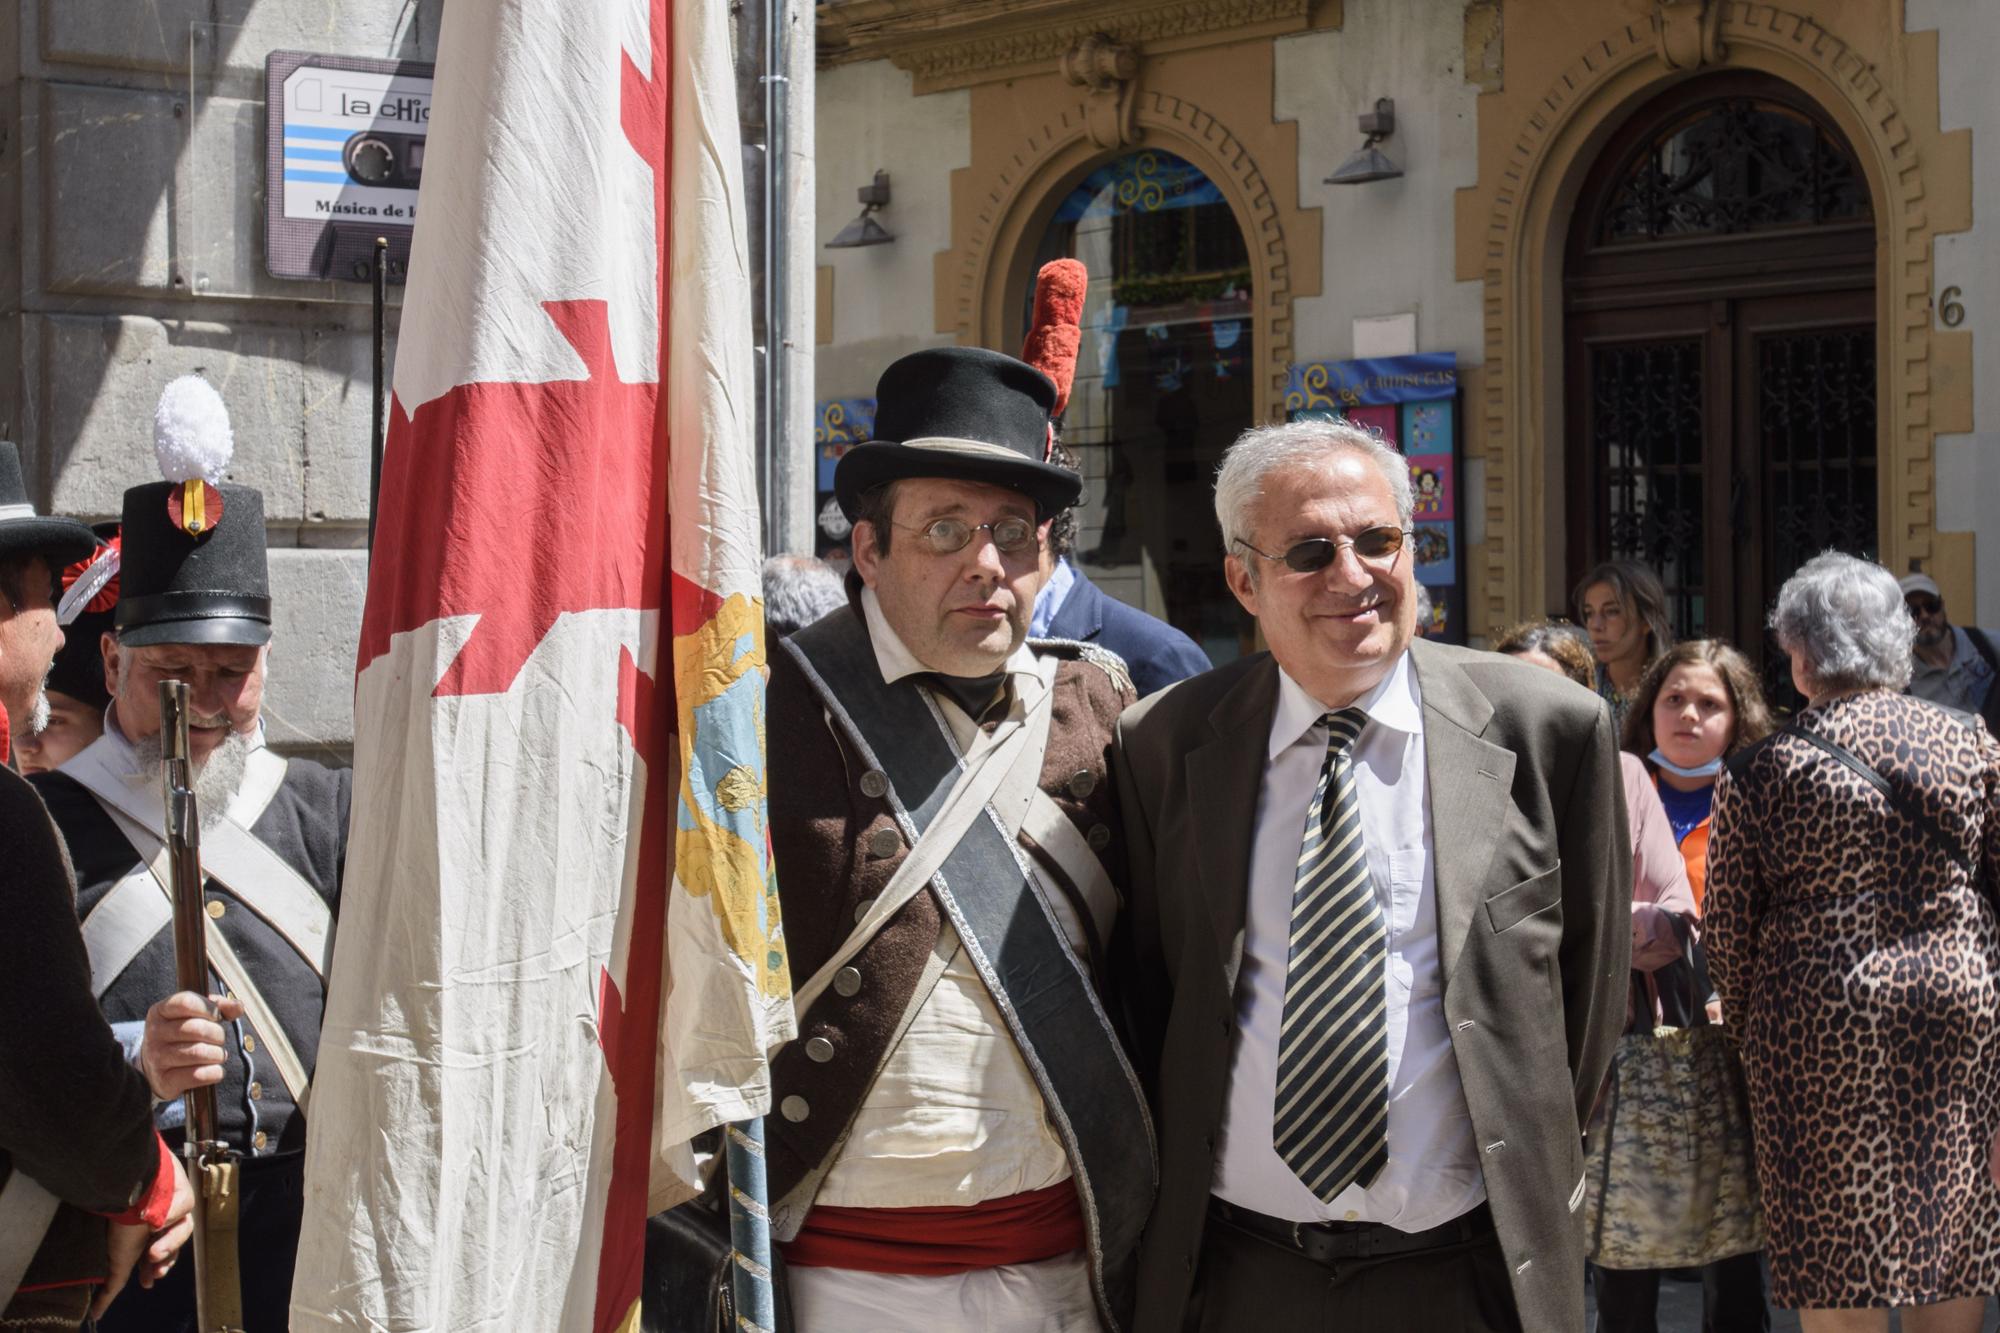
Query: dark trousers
[1247, 1284]
[267, 1248]
[1732, 1297]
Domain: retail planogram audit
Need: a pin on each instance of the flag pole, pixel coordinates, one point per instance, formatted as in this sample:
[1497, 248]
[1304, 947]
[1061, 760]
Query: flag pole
[750, 1229]
[376, 421]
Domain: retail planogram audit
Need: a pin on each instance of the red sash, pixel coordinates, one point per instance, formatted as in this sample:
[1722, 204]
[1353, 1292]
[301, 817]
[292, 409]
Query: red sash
[933, 1242]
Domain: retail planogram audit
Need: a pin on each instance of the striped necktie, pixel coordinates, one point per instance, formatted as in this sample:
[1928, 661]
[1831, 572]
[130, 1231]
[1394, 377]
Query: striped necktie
[1332, 1112]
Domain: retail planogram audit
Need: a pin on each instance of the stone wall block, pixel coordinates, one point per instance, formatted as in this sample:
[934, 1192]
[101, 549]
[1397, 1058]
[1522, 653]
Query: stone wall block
[316, 626]
[101, 379]
[126, 34]
[108, 160]
[339, 398]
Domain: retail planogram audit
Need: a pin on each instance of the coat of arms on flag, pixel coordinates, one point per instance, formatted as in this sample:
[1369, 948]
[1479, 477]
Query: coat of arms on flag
[559, 955]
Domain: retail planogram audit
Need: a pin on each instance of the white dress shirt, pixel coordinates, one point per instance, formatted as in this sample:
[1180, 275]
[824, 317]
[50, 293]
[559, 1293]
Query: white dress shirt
[1433, 1171]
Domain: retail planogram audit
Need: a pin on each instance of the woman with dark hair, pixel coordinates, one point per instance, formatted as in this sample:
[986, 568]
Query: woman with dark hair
[1623, 608]
[1855, 943]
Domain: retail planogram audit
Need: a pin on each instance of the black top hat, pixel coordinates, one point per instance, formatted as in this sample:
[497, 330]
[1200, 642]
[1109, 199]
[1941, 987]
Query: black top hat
[61, 541]
[90, 595]
[966, 414]
[211, 586]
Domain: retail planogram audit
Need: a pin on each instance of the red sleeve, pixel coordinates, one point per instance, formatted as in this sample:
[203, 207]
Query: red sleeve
[151, 1207]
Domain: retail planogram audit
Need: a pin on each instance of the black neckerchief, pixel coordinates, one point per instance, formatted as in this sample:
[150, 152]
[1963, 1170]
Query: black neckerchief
[977, 695]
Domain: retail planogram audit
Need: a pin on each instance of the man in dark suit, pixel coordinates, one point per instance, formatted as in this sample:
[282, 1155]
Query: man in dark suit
[1070, 606]
[1377, 941]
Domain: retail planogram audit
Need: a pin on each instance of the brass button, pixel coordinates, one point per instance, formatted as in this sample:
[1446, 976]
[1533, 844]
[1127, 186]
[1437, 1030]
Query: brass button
[885, 842]
[1352, 1214]
[819, 1050]
[1082, 784]
[249, 1044]
[258, 1140]
[874, 784]
[1099, 838]
[256, 1090]
[215, 908]
[794, 1108]
[861, 909]
[847, 982]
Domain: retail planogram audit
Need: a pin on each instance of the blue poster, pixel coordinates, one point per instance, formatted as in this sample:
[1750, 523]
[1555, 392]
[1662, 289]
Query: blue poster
[838, 424]
[1316, 387]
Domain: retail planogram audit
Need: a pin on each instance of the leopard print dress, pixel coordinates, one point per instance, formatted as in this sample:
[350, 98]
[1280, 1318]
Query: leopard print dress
[1859, 970]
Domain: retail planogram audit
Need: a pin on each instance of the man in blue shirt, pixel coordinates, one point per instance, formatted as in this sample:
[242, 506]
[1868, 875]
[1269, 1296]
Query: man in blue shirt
[1070, 606]
[1951, 665]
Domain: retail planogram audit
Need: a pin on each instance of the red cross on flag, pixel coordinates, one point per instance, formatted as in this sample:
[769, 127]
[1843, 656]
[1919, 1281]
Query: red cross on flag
[559, 954]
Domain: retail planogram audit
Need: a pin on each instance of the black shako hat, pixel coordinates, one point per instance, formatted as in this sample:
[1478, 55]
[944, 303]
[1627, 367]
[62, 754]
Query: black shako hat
[177, 587]
[60, 541]
[965, 414]
[193, 569]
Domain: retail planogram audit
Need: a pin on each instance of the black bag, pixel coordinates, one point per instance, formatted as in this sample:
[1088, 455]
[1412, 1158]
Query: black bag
[688, 1265]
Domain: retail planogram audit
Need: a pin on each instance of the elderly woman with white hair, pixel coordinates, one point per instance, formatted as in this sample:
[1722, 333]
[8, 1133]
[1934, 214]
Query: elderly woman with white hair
[1851, 932]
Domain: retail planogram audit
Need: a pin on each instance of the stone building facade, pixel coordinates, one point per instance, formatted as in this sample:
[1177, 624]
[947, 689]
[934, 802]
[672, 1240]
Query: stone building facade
[1764, 216]
[132, 209]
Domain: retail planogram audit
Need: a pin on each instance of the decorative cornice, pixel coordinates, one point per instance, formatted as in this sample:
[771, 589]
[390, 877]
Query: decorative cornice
[955, 43]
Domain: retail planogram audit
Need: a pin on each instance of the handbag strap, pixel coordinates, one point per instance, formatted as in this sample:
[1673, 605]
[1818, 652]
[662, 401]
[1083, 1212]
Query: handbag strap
[1902, 804]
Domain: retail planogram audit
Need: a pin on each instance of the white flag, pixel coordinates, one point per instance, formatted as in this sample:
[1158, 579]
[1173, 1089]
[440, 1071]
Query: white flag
[559, 954]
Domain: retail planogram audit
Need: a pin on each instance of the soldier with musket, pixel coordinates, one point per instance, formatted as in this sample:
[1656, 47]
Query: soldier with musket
[959, 1141]
[195, 606]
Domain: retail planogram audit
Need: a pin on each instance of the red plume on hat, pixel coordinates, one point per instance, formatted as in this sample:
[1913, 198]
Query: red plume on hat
[1057, 333]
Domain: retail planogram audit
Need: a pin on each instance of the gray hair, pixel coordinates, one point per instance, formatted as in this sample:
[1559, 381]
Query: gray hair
[1846, 617]
[1263, 450]
[799, 589]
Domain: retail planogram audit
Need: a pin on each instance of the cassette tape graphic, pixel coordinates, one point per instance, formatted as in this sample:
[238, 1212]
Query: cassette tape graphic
[344, 157]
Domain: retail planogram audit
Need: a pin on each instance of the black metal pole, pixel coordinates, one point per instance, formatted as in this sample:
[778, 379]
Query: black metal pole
[379, 420]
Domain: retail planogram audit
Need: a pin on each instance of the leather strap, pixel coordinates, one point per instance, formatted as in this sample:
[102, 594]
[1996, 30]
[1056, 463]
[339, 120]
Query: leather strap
[230, 854]
[26, 1209]
[1017, 743]
[1903, 805]
[1011, 937]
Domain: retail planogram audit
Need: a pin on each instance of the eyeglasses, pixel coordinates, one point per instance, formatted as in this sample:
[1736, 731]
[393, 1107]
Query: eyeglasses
[1374, 546]
[1924, 606]
[946, 535]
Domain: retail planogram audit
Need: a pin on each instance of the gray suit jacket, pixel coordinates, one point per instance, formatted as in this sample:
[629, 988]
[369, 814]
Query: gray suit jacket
[1534, 887]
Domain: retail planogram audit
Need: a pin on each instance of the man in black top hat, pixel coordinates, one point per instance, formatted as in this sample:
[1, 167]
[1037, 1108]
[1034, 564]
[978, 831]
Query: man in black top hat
[195, 605]
[957, 1132]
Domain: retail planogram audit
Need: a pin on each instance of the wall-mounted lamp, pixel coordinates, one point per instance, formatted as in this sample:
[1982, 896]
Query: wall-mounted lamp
[1367, 163]
[865, 230]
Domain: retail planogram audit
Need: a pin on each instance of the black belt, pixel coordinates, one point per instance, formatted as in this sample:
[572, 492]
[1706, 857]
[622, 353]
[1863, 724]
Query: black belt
[1328, 1242]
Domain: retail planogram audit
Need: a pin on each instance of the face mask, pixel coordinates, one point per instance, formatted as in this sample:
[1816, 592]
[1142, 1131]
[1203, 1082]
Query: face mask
[1707, 770]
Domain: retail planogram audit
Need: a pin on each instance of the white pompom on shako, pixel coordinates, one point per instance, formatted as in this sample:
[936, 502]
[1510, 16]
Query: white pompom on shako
[191, 433]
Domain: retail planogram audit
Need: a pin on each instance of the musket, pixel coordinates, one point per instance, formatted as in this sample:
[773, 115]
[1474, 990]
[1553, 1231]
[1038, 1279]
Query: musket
[211, 1164]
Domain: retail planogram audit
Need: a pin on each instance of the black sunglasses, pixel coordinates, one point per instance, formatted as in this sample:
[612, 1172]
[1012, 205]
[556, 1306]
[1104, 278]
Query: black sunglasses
[1375, 546]
[1923, 606]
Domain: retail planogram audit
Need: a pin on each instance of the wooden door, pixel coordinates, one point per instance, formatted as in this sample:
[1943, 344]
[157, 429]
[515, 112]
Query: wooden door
[1720, 353]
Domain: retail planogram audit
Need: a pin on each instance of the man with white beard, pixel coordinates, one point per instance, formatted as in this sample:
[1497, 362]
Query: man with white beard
[195, 606]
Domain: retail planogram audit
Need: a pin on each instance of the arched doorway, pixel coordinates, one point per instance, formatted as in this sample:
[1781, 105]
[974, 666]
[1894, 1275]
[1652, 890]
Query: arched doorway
[1164, 381]
[1720, 352]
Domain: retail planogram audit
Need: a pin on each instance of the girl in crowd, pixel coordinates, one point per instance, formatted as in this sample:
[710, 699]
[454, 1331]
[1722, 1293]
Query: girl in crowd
[1697, 705]
[1623, 608]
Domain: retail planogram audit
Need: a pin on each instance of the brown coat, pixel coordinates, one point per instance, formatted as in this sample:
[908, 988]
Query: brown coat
[824, 835]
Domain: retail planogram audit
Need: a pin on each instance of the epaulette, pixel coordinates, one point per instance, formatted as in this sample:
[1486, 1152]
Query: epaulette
[1076, 650]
